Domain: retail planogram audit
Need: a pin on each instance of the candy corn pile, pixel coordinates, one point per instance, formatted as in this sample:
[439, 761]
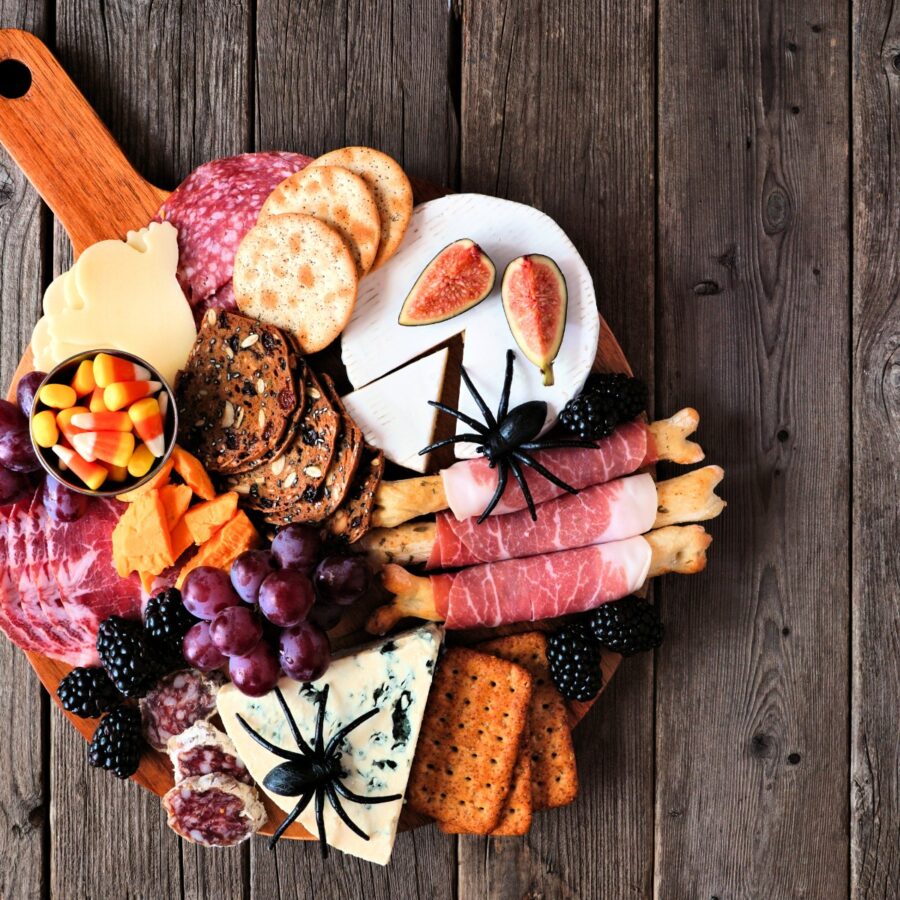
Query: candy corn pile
[108, 423]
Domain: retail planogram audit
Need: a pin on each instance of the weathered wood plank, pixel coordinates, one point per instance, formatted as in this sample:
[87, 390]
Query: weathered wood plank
[875, 749]
[558, 104]
[753, 330]
[331, 74]
[169, 116]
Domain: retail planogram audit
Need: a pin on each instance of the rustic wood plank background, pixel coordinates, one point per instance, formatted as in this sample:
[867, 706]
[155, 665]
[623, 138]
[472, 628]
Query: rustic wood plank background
[729, 172]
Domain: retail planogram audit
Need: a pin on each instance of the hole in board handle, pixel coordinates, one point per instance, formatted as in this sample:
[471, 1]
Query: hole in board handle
[15, 79]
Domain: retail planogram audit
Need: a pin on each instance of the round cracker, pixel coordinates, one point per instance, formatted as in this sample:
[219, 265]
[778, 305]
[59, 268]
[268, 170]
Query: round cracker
[295, 272]
[338, 198]
[389, 185]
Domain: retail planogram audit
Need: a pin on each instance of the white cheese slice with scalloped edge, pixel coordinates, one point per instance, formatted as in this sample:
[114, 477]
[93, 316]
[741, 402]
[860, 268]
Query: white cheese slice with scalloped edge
[374, 343]
[394, 413]
[394, 676]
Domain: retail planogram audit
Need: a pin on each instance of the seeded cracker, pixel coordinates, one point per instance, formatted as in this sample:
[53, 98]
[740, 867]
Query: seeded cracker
[354, 518]
[236, 393]
[469, 743]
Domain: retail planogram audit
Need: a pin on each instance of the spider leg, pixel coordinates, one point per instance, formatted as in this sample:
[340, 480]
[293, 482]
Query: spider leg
[343, 732]
[526, 491]
[278, 751]
[320, 720]
[503, 409]
[479, 400]
[456, 439]
[558, 444]
[472, 423]
[336, 805]
[320, 820]
[295, 731]
[358, 798]
[502, 478]
[532, 463]
[302, 803]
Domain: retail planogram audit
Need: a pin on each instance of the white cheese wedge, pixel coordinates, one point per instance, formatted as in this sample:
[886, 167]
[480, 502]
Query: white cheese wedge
[374, 343]
[394, 413]
[121, 295]
[393, 676]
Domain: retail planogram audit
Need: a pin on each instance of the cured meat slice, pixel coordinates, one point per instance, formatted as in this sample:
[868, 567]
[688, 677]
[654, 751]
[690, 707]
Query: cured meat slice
[469, 484]
[202, 750]
[213, 208]
[541, 587]
[176, 703]
[214, 810]
[599, 514]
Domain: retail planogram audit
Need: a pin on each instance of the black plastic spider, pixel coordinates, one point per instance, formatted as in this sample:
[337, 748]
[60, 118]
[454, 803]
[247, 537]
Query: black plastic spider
[314, 771]
[507, 438]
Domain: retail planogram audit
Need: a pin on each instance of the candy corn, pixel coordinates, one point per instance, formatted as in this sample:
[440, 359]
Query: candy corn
[64, 421]
[117, 473]
[110, 369]
[44, 428]
[83, 382]
[102, 421]
[141, 461]
[163, 404]
[113, 447]
[91, 473]
[148, 423]
[57, 396]
[97, 404]
[123, 393]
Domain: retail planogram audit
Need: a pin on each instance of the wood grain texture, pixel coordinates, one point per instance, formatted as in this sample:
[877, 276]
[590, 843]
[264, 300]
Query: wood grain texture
[557, 111]
[875, 749]
[752, 752]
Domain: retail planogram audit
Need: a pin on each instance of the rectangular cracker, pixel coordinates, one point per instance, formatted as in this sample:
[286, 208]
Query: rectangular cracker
[554, 774]
[470, 739]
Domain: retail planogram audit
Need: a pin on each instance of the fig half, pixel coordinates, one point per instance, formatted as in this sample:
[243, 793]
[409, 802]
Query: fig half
[535, 300]
[457, 279]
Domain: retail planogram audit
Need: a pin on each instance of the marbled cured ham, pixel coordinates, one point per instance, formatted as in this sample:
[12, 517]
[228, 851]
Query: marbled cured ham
[598, 514]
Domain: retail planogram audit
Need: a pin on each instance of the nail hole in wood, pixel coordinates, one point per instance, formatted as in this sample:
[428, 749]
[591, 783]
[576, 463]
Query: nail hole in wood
[783, 435]
[785, 631]
[793, 758]
[15, 79]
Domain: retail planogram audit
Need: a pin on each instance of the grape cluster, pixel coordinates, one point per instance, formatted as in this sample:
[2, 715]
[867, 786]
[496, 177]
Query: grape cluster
[270, 614]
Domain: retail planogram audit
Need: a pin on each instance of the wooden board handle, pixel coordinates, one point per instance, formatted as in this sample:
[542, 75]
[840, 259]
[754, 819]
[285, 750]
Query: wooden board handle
[58, 141]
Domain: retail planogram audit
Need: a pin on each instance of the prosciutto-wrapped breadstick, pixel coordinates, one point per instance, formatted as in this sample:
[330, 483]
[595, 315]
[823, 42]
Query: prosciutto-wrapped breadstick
[467, 486]
[540, 587]
[597, 515]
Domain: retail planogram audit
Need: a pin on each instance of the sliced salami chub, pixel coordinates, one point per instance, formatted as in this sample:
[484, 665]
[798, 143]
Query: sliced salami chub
[213, 208]
[214, 810]
[203, 750]
[177, 702]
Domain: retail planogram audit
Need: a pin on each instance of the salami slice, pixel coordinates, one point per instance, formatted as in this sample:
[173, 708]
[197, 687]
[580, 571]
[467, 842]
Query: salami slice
[202, 750]
[177, 702]
[213, 208]
[214, 810]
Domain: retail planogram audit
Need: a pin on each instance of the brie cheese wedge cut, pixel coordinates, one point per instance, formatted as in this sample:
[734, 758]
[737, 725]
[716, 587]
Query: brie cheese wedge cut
[394, 676]
[394, 413]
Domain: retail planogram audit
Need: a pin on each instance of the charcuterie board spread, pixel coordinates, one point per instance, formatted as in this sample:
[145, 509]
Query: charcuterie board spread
[324, 512]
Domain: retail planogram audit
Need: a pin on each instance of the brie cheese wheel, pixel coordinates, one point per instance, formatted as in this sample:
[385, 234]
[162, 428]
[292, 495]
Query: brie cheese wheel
[394, 413]
[394, 676]
[374, 343]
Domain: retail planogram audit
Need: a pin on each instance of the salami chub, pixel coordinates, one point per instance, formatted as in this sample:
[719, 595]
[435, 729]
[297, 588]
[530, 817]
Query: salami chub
[176, 703]
[203, 750]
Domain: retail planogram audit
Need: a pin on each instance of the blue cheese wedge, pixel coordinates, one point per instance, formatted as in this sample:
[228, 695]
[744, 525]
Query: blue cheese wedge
[393, 676]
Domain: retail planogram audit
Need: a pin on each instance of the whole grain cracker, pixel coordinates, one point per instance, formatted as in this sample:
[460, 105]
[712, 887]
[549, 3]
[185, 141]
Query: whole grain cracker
[476, 715]
[354, 518]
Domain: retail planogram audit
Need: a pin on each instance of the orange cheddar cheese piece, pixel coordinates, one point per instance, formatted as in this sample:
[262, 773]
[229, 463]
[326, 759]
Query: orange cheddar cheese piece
[181, 538]
[229, 542]
[157, 481]
[192, 473]
[141, 540]
[205, 519]
[176, 498]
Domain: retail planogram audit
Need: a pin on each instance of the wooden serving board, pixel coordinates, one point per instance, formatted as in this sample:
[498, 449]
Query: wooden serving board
[80, 171]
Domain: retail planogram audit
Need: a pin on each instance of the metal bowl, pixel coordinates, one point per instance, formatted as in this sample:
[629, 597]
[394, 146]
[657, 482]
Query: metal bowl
[63, 374]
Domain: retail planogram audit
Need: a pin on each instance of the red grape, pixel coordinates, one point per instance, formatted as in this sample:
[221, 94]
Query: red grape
[342, 579]
[16, 452]
[326, 615]
[27, 389]
[199, 649]
[12, 484]
[248, 572]
[62, 504]
[207, 591]
[11, 418]
[286, 597]
[297, 547]
[236, 630]
[304, 652]
[256, 673]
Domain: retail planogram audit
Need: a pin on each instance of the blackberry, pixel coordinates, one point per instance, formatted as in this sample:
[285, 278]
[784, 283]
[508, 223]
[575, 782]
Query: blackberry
[590, 417]
[627, 395]
[166, 621]
[88, 692]
[126, 656]
[117, 742]
[627, 626]
[574, 658]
